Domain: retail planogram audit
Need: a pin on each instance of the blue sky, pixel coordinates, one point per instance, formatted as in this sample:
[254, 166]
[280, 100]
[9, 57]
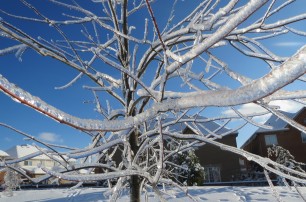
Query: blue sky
[40, 75]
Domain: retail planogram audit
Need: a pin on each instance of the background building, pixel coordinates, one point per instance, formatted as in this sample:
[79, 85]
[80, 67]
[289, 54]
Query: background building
[32, 166]
[282, 134]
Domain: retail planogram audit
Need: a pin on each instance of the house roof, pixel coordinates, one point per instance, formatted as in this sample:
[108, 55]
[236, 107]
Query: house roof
[276, 123]
[3, 154]
[205, 127]
[19, 151]
[34, 170]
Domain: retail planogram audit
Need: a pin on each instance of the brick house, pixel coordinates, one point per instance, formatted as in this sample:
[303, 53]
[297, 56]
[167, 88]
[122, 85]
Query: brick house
[282, 134]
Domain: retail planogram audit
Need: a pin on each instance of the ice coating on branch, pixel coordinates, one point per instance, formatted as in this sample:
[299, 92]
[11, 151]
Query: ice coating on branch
[95, 150]
[290, 70]
[2, 164]
[12, 49]
[96, 177]
[19, 95]
[187, 57]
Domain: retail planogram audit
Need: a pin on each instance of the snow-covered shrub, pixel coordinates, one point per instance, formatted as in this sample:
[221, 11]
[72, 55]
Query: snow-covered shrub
[12, 181]
[284, 157]
[189, 170]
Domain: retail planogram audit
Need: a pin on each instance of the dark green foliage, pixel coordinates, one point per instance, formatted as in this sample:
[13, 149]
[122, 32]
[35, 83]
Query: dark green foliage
[188, 170]
[283, 156]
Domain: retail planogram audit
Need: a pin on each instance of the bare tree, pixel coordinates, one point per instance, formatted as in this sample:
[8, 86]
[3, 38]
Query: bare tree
[137, 69]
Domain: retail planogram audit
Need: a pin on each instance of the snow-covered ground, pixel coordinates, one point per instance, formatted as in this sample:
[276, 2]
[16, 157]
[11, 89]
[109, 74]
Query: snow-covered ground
[223, 193]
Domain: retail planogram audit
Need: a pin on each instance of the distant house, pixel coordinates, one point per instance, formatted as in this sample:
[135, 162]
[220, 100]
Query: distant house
[282, 134]
[4, 155]
[31, 166]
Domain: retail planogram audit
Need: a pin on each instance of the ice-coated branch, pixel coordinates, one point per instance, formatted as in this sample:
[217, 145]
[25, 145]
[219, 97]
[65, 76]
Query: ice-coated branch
[177, 75]
[3, 164]
[155, 24]
[289, 71]
[97, 177]
[232, 23]
[80, 154]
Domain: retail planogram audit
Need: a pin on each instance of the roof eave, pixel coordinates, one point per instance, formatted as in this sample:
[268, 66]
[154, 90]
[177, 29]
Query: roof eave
[262, 132]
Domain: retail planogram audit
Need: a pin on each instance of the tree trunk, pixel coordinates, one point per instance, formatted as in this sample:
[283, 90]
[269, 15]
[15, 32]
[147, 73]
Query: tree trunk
[134, 180]
[135, 189]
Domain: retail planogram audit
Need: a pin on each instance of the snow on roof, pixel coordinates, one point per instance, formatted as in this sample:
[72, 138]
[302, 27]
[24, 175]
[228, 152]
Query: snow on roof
[19, 151]
[205, 127]
[34, 170]
[213, 127]
[276, 122]
[3, 154]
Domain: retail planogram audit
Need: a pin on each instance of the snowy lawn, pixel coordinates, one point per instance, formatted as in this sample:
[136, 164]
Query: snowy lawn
[220, 193]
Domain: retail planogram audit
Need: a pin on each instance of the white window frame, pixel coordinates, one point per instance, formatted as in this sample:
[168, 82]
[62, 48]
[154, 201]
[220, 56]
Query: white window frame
[43, 162]
[271, 139]
[303, 137]
[212, 174]
[28, 163]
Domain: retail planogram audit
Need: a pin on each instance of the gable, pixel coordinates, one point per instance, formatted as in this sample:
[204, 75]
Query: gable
[277, 124]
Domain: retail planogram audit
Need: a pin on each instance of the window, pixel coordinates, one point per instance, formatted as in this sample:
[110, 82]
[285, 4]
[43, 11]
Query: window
[27, 163]
[271, 140]
[241, 162]
[303, 136]
[212, 174]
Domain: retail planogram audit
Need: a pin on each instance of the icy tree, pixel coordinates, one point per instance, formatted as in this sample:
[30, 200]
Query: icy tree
[187, 169]
[149, 66]
[11, 181]
[284, 157]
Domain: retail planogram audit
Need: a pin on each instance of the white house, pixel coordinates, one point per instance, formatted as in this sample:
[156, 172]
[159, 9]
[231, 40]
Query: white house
[4, 155]
[31, 166]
